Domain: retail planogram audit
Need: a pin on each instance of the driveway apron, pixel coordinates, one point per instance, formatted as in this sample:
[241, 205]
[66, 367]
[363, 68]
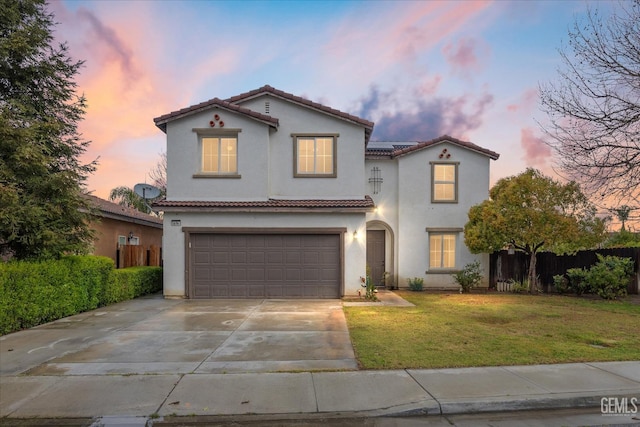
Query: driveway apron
[158, 336]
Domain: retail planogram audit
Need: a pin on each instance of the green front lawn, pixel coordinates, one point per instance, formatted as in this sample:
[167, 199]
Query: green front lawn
[456, 330]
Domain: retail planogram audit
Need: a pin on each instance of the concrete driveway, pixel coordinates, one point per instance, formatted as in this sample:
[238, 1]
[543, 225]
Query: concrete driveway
[152, 335]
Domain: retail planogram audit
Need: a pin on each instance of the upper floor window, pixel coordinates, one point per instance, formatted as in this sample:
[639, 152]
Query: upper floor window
[315, 155]
[444, 177]
[218, 151]
[219, 155]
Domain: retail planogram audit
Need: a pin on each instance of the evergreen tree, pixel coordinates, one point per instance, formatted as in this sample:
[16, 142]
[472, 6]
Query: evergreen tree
[43, 212]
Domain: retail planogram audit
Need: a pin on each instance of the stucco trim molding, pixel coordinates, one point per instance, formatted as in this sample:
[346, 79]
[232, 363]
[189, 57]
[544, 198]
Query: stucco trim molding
[444, 229]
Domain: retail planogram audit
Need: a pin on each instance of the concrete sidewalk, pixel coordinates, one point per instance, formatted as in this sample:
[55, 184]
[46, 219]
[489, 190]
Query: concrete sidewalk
[308, 394]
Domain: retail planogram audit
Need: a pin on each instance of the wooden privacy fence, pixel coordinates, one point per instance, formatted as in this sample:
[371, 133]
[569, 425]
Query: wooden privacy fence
[136, 255]
[505, 267]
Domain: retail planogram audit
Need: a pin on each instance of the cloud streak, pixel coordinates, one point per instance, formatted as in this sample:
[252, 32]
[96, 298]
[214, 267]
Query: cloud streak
[536, 152]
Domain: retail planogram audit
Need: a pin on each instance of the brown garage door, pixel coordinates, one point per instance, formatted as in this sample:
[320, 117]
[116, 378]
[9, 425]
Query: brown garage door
[265, 266]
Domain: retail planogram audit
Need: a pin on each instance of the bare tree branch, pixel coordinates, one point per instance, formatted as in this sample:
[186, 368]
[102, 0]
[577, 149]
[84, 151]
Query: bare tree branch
[593, 108]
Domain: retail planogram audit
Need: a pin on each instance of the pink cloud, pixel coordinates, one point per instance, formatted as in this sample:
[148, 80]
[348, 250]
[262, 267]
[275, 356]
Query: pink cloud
[527, 102]
[404, 34]
[126, 84]
[536, 152]
[465, 55]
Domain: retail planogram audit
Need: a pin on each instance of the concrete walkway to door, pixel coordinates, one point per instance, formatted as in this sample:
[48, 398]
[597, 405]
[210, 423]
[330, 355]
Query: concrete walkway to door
[157, 336]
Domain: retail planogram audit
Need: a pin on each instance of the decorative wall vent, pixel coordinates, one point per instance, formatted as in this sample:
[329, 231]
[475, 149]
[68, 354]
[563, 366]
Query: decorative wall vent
[445, 154]
[216, 121]
[375, 180]
[266, 107]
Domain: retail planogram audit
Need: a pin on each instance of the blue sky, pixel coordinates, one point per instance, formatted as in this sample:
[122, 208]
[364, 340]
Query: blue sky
[418, 69]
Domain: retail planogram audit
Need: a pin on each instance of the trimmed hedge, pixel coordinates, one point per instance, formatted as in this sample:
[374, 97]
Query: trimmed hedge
[32, 293]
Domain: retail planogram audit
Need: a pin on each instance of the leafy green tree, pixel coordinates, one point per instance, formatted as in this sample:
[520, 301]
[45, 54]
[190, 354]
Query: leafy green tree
[125, 196]
[623, 239]
[43, 212]
[532, 212]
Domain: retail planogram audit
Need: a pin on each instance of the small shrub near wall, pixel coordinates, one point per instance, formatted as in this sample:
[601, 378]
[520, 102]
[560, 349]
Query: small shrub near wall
[32, 293]
[416, 284]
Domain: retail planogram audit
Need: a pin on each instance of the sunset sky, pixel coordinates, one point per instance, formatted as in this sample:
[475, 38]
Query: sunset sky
[418, 69]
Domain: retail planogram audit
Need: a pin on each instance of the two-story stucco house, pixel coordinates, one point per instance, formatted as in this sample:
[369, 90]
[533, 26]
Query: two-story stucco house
[272, 195]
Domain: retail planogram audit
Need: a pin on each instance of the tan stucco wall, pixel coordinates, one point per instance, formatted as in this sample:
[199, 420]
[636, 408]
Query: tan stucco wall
[108, 230]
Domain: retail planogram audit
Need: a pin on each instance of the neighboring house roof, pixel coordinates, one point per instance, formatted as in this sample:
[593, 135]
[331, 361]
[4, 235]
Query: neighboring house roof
[356, 205]
[396, 149]
[115, 211]
[161, 122]
[230, 104]
[368, 125]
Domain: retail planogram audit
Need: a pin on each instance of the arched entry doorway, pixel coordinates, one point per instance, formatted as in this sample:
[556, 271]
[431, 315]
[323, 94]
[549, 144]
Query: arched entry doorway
[380, 254]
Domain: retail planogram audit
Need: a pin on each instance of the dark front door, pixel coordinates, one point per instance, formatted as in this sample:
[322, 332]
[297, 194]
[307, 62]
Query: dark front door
[375, 255]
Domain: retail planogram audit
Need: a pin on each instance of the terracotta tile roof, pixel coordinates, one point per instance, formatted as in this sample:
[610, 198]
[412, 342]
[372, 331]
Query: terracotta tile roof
[270, 204]
[161, 122]
[368, 125]
[401, 151]
[114, 210]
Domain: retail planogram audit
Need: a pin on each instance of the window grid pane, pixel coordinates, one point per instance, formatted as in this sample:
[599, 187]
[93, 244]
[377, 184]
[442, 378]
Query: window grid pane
[220, 155]
[444, 182]
[306, 156]
[228, 155]
[434, 251]
[210, 154]
[442, 251]
[315, 156]
[324, 155]
[448, 251]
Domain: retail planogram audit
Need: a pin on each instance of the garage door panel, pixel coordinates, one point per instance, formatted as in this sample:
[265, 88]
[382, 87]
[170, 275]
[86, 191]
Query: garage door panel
[274, 257]
[219, 274]
[255, 257]
[293, 274]
[275, 275]
[274, 241]
[217, 241]
[202, 258]
[255, 275]
[312, 257]
[269, 265]
[238, 257]
[202, 274]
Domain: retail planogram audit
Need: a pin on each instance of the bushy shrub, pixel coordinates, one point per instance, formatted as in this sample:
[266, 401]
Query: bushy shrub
[520, 287]
[561, 284]
[32, 293]
[416, 283]
[469, 277]
[610, 276]
[133, 282]
[578, 280]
